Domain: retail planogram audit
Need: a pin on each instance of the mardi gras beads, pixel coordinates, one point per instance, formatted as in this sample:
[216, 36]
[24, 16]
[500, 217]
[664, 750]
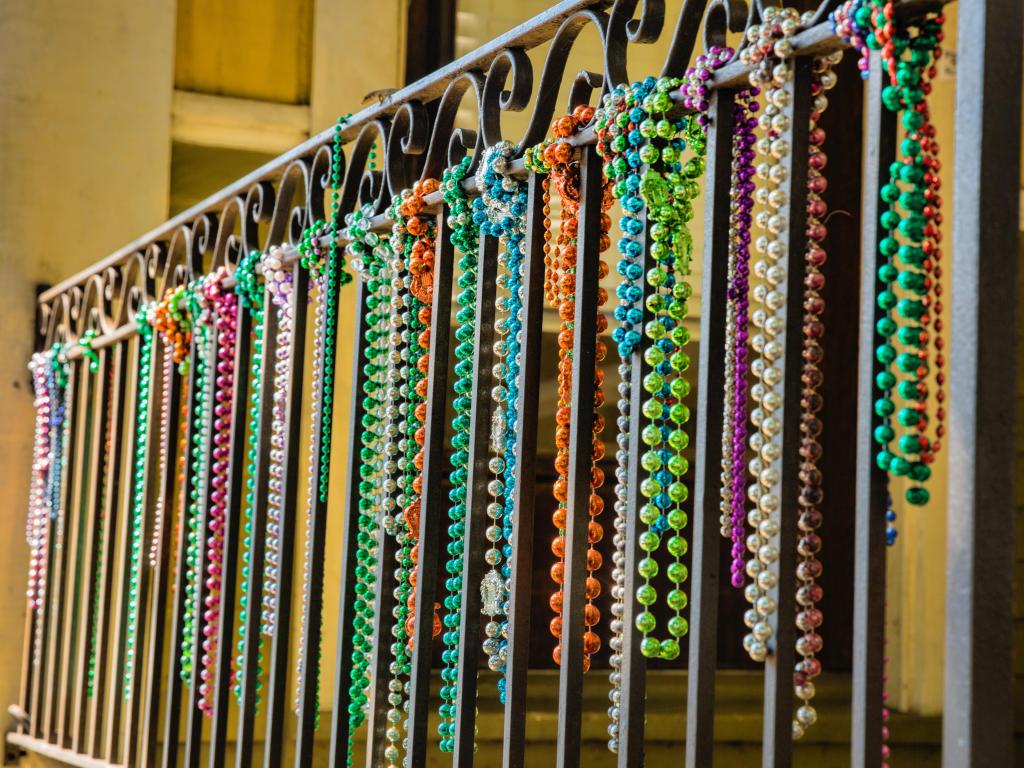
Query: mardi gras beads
[465, 236]
[370, 256]
[556, 158]
[912, 273]
[251, 299]
[140, 450]
[769, 49]
[500, 212]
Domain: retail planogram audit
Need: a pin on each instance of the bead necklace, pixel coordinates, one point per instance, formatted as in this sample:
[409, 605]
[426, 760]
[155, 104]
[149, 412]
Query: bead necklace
[144, 320]
[612, 145]
[46, 464]
[370, 256]
[35, 528]
[56, 384]
[250, 297]
[318, 250]
[201, 422]
[396, 410]
[809, 592]
[734, 404]
[278, 279]
[465, 237]
[412, 241]
[500, 212]
[769, 50]
[914, 239]
[224, 305]
[167, 368]
[556, 158]
[174, 324]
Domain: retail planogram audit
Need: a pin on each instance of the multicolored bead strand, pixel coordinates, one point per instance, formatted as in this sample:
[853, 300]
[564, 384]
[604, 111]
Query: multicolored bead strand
[808, 616]
[167, 369]
[909, 52]
[203, 378]
[370, 256]
[250, 298]
[395, 463]
[38, 512]
[500, 212]
[768, 53]
[557, 158]
[615, 148]
[101, 524]
[224, 304]
[734, 415]
[140, 449]
[278, 277]
[465, 237]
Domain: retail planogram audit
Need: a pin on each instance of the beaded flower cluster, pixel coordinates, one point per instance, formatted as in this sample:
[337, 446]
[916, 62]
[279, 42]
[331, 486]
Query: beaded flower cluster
[500, 211]
[556, 158]
[465, 237]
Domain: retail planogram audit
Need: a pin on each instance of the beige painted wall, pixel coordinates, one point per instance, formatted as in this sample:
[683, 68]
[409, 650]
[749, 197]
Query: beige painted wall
[84, 160]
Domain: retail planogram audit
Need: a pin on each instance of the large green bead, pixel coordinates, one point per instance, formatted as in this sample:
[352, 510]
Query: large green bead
[677, 519]
[649, 541]
[669, 649]
[647, 567]
[650, 647]
[677, 546]
[646, 622]
[677, 573]
[917, 496]
[646, 594]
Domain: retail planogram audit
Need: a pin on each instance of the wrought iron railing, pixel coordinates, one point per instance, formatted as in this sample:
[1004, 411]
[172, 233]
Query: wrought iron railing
[101, 684]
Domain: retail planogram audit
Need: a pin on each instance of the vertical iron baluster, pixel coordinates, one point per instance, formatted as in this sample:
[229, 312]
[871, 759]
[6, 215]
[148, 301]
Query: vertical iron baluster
[711, 385]
[75, 520]
[340, 734]
[517, 664]
[57, 564]
[778, 677]
[477, 499]
[149, 494]
[233, 524]
[277, 694]
[634, 666]
[377, 700]
[50, 611]
[195, 716]
[257, 550]
[111, 740]
[172, 706]
[384, 605]
[581, 438]
[869, 528]
[92, 491]
[978, 721]
[119, 425]
[433, 507]
[154, 674]
[309, 680]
